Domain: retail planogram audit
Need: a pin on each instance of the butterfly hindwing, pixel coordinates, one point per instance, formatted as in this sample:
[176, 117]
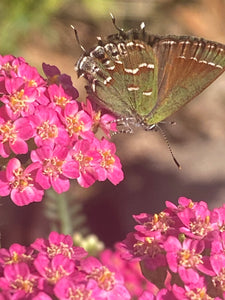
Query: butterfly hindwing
[186, 67]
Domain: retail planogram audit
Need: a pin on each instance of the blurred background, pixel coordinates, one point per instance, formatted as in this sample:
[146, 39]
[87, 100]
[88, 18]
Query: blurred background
[40, 32]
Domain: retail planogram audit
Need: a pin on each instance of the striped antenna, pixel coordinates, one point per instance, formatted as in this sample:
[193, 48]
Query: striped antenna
[168, 145]
[77, 38]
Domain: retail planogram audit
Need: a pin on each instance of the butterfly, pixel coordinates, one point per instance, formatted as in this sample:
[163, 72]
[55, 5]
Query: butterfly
[143, 78]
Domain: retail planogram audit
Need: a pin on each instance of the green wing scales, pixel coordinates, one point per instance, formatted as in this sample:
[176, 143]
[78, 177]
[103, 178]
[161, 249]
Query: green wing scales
[186, 67]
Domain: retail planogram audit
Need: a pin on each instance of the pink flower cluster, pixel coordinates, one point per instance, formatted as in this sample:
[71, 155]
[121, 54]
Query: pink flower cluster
[55, 269]
[134, 281]
[181, 251]
[41, 120]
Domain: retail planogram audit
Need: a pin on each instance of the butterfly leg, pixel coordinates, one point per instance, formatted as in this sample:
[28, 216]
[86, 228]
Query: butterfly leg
[150, 127]
[124, 124]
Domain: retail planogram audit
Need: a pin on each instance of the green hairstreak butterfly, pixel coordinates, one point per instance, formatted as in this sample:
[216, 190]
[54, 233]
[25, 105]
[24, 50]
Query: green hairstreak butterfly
[143, 78]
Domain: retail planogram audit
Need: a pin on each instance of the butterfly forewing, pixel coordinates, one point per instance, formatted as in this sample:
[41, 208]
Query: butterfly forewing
[186, 67]
[123, 76]
[140, 68]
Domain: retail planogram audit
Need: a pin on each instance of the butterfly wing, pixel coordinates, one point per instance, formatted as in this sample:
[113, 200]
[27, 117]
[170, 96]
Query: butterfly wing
[122, 76]
[186, 66]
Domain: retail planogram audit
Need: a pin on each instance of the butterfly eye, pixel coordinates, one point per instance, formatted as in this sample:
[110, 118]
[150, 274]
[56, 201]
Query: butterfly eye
[86, 65]
[98, 52]
[111, 49]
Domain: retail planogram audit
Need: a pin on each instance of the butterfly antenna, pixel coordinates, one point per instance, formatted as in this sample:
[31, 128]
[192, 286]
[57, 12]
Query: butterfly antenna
[77, 38]
[168, 145]
[121, 31]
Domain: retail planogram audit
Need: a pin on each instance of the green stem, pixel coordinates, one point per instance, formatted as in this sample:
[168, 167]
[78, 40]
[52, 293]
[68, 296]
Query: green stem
[65, 213]
[57, 212]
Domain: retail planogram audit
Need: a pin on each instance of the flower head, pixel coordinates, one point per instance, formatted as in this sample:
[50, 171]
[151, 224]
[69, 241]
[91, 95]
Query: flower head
[58, 244]
[54, 167]
[20, 183]
[42, 120]
[180, 250]
[53, 267]
[108, 282]
[13, 135]
[19, 281]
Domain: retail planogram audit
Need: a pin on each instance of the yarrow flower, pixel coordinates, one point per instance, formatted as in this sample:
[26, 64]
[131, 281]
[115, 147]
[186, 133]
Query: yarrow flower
[157, 261]
[99, 120]
[20, 183]
[13, 134]
[134, 281]
[55, 167]
[180, 250]
[42, 119]
[54, 268]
